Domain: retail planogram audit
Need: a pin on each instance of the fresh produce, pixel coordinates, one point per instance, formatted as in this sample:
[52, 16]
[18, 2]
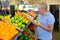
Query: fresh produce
[22, 14]
[19, 21]
[32, 13]
[5, 18]
[28, 30]
[24, 37]
[9, 25]
[32, 28]
[7, 31]
[29, 33]
[35, 21]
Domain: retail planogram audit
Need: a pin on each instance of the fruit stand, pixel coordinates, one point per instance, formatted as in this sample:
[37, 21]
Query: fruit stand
[17, 27]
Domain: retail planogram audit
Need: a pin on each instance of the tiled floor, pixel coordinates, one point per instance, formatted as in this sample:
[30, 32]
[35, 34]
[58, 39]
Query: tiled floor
[56, 35]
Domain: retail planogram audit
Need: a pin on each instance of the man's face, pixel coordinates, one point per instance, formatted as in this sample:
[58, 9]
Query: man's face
[41, 9]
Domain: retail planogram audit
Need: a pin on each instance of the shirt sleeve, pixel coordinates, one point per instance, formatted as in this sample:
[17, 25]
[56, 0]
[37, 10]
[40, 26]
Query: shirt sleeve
[51, 21]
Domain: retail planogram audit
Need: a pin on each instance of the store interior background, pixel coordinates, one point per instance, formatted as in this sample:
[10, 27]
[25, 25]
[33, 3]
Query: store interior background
[55, 11]
[53, 5]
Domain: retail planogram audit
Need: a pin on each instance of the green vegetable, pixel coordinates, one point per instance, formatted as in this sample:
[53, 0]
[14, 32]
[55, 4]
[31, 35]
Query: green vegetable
[27, 30]
[24, 37]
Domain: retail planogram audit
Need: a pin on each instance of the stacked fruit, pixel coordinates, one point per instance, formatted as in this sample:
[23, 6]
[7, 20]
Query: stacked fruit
[30, 31]
[32, 13]
[7, 31]
[20, 20]
[5, 18]
[22, 14]
[32, 28]
[26, 35]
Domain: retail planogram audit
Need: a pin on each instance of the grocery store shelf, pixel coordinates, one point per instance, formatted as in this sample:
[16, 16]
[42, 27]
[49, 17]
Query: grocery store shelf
[19, 33]
[15, 38]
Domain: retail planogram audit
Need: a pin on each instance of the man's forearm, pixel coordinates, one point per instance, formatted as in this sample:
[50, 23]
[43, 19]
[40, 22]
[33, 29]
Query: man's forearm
[46, 28]
[49, 28]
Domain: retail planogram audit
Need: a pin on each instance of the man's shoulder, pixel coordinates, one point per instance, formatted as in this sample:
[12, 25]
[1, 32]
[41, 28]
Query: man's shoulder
[50, 14]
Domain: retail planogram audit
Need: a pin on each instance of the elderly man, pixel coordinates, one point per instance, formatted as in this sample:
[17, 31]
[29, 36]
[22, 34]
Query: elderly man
[45, 23]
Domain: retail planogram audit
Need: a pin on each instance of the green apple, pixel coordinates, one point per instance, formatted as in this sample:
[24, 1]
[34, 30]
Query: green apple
[19, 23]
[19, 20]
[18, 17]
[35, 21]
[12, 20]
[26, 22]
[23, 20]
[16, 21]
[15, 17]
[16, 25]
[23, 26]
[18, 28]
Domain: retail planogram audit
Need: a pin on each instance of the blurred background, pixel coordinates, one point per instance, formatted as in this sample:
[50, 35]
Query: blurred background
[53, 6]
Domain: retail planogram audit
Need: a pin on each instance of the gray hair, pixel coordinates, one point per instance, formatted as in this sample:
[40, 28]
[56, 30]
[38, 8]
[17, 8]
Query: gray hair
[44, 5]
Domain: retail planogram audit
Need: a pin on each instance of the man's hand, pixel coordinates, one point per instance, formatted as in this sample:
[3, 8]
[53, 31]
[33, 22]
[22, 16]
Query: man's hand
[38, 24]
[30, 18]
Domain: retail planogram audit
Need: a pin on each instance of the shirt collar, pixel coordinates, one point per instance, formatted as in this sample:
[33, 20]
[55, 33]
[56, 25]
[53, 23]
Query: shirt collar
[44, 14]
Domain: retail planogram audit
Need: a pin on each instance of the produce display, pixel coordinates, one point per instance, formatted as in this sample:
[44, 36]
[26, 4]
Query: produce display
[5, 18]
[28, 33]
[32, 28]
[7, 31]
[20, 20]
[22, 14]
[24, 37]
[11, 26]
[32, 13]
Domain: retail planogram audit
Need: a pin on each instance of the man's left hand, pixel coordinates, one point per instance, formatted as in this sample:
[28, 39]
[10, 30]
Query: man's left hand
[38, 24]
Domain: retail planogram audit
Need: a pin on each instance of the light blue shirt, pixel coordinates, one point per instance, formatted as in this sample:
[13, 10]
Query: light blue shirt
[47, 19]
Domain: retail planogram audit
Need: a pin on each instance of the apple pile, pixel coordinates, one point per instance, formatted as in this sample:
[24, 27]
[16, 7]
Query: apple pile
[19, 21]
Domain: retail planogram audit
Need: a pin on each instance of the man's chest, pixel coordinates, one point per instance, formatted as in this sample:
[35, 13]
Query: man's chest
[42, 19]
